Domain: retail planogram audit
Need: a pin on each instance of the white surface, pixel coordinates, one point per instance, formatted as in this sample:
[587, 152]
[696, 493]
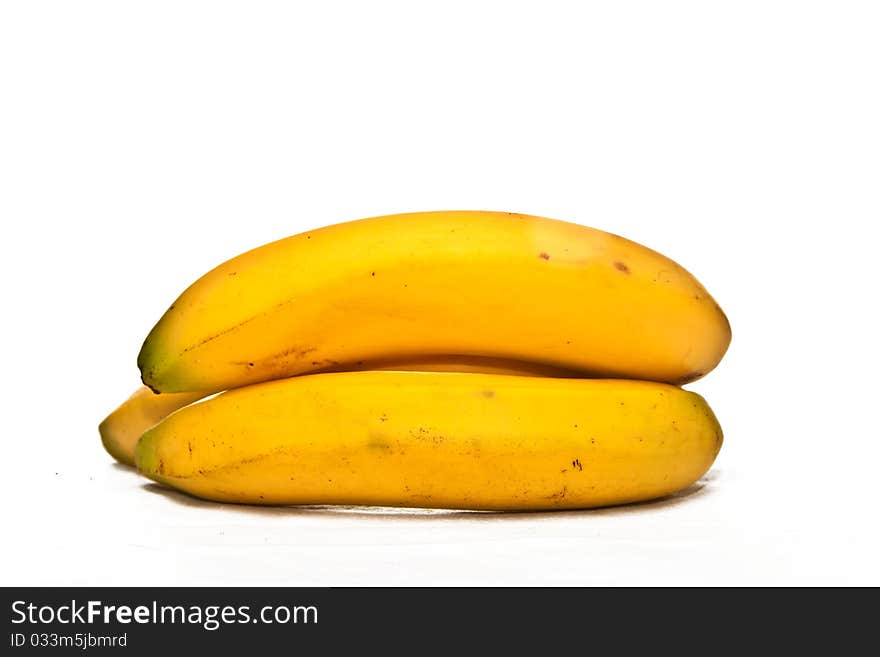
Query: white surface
[143, 143]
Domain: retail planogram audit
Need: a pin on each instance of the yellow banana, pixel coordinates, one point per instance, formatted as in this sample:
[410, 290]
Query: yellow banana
[400, 287]
[121, 429]
[445, 440]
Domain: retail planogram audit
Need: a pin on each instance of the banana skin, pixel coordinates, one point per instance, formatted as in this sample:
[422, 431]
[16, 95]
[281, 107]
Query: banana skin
[466, 283]
[121, 429]
[442, 440]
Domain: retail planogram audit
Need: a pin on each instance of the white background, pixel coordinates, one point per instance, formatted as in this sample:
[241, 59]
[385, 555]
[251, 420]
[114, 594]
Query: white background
[143, 143]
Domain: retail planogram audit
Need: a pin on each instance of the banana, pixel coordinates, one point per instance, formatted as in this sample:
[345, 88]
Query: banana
[121, 429]
[443, 440]
[487, 284]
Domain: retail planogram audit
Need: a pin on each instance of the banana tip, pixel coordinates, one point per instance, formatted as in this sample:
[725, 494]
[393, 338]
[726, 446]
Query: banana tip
[111, 443]
[145, 456]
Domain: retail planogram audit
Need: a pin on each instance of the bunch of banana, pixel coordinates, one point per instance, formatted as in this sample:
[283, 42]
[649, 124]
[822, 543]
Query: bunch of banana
[477, 360]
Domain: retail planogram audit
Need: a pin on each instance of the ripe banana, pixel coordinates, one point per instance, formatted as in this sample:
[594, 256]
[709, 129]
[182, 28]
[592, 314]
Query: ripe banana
[444, 440]
[400, 287]
[121, 429]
